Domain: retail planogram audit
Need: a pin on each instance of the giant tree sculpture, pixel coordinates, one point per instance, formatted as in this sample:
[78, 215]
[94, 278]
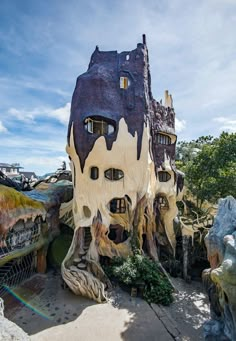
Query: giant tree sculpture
[121, 145]
[220, 279]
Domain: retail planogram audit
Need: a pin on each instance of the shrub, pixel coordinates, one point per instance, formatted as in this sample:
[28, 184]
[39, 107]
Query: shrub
[139, 270]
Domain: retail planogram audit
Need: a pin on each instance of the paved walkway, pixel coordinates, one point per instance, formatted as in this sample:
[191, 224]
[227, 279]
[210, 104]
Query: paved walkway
[56, 314]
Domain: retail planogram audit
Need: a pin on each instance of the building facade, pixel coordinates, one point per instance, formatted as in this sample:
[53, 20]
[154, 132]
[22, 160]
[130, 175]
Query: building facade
[7, 168]
[121, 145]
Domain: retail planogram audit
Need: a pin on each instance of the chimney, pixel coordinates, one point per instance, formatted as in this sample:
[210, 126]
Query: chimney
[144, 39]
[168, 100]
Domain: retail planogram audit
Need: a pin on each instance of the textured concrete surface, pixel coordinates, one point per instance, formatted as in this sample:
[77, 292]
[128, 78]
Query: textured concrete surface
[9, 331]
[54, 313]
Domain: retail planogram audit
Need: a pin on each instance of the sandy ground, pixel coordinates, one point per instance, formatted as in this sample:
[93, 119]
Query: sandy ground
[50, 312]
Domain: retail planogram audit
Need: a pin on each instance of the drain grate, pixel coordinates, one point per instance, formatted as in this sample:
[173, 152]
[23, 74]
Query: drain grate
[16, 271]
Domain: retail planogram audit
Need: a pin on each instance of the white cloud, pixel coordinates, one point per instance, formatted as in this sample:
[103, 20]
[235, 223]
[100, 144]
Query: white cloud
[226, 124]
[22, 115]
[61, 114]
[180, 125]
[2, 128]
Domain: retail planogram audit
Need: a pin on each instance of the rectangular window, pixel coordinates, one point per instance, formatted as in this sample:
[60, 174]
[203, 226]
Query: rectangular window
[117, 205]
[124, 82]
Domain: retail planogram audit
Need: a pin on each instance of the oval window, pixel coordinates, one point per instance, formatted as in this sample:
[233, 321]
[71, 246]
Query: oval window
[163, 139]
[114, 174]
[99, 125]
[164, 176]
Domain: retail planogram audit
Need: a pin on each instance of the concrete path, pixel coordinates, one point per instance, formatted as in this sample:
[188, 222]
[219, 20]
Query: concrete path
[132, 320]
[55, 314]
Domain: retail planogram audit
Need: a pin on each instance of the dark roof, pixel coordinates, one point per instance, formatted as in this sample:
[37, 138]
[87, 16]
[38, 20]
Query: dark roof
[4, 164]
[13, 165]
[28, 174]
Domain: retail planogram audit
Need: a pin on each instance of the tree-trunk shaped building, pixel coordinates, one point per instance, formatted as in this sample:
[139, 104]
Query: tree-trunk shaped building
[121, 145]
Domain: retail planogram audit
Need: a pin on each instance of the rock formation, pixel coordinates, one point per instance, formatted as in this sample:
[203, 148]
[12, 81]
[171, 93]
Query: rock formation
[220, 280]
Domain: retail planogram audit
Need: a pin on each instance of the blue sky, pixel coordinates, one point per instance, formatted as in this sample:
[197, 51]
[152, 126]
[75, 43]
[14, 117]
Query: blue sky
[46, 44]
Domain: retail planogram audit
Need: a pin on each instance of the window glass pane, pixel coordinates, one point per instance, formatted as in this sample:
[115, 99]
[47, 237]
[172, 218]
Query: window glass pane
[164, 176]
[94, 173]
[124, 82]
[113, 174]
[163, 139]
[97, 125]
[111, 129]
[117, 205]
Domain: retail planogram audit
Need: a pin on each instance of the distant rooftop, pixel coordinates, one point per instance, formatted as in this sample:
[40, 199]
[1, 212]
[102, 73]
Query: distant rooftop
[9, 165]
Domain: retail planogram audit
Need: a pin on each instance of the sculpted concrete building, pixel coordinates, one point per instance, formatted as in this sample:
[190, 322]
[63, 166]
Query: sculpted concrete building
[121, 145]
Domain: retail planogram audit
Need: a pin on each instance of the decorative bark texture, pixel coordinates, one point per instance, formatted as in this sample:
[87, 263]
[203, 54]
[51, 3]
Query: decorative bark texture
[220, 280]
[116, 127]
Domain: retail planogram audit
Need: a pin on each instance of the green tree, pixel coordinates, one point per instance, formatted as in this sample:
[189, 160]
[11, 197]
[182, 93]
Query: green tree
[211, 174]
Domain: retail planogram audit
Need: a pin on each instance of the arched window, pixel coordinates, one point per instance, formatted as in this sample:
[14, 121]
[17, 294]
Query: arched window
[99, 125]
[113, 174]
[118, 205]
[163, 139]
[94, 173]
[164, 176]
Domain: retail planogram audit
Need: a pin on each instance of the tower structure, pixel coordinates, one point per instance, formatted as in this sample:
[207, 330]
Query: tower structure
[121, 145]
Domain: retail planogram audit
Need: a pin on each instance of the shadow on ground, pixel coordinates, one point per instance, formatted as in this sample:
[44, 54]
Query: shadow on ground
[41, 302]
[53, 313]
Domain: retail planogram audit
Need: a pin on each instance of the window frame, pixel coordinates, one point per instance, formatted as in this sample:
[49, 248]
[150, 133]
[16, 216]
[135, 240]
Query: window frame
[92, 169]
[99, 126]
[163, 139]
[164, 176]
[120, 205]
[113, 172]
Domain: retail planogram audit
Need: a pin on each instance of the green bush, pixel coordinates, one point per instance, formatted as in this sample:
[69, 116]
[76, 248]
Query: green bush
[139, 270]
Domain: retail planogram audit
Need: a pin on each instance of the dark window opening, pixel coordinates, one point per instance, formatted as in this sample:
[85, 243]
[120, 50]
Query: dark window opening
[162, 202]
[112, 234]
[94, 173]
[117, 233]
[164, 176]
[118, 205]
[144, 246]
[113, 174]
[163, 139]
[99, 125]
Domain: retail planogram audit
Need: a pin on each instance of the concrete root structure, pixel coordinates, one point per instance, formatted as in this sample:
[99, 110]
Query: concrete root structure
[220, 280]
[29, 221]
[121, 145]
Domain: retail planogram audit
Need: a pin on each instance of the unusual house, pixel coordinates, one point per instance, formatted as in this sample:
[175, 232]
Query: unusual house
[121, 145]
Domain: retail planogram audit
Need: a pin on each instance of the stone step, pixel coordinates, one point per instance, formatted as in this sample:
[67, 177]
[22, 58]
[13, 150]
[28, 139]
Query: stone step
[73, 268]
[81, 266]
[76, 260]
